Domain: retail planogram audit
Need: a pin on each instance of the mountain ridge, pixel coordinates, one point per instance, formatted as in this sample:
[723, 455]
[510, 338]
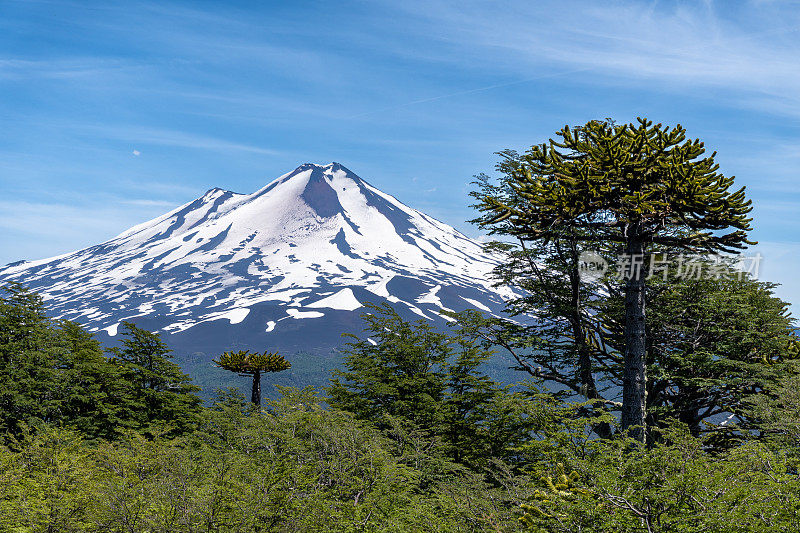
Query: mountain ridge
[288, 265]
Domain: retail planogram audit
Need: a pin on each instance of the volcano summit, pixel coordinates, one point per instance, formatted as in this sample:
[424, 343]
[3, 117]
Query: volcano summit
[286, 267]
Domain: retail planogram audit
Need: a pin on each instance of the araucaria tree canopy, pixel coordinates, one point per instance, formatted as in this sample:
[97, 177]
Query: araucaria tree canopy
[637, 185]
[253, 364]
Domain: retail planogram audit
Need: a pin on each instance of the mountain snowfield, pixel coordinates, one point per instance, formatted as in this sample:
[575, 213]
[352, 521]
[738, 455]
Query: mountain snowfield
[287, 266]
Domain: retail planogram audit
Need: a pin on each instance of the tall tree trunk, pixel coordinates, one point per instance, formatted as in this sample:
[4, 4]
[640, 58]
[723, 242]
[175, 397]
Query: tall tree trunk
[583, 348]
[634, 379]
[603, 429]
[255, 396]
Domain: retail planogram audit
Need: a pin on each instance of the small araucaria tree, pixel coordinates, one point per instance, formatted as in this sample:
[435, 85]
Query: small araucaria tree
[636, 186]
[245, 363]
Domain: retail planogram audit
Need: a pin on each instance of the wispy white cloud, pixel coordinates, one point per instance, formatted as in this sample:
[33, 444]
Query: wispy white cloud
[34, 230]
[62, 68]
[150, 187]
[151, 203]
[167, 137]
[193, 141]
[472, 91]
[681, 45]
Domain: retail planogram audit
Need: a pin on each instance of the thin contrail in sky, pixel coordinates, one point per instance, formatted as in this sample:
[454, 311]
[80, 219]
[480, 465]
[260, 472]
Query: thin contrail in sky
[470, 91]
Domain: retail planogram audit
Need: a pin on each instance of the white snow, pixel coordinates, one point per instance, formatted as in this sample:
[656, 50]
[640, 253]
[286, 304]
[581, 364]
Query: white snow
[379, 288]
[296, 313]
[417, 310]
[430, 297]
[270, 326]
[344, 300]
[237, 315]
[234, 316]
[476, 303]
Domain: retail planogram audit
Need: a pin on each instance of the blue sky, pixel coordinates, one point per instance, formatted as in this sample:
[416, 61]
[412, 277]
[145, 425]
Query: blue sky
[113, 113]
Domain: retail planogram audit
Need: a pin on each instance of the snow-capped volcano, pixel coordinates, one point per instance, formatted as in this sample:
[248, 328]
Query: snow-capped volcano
[288, 265]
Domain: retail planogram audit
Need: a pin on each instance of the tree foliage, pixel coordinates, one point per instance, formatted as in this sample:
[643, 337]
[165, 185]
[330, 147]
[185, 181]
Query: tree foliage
[412, 380]
[638, 185]
[612, 182]
[714, 343]
[252, 364]
[674, 485]
[55, 373]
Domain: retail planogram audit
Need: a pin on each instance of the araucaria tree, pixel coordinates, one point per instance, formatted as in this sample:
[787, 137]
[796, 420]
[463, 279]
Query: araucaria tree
[253, 364]
[636, 186]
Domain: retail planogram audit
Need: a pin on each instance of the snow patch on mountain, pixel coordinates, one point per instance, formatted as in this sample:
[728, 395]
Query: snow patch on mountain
[297, 314]
[344, 299]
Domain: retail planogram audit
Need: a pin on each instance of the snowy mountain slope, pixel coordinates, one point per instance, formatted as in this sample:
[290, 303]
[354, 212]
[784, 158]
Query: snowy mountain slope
[288, 265]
